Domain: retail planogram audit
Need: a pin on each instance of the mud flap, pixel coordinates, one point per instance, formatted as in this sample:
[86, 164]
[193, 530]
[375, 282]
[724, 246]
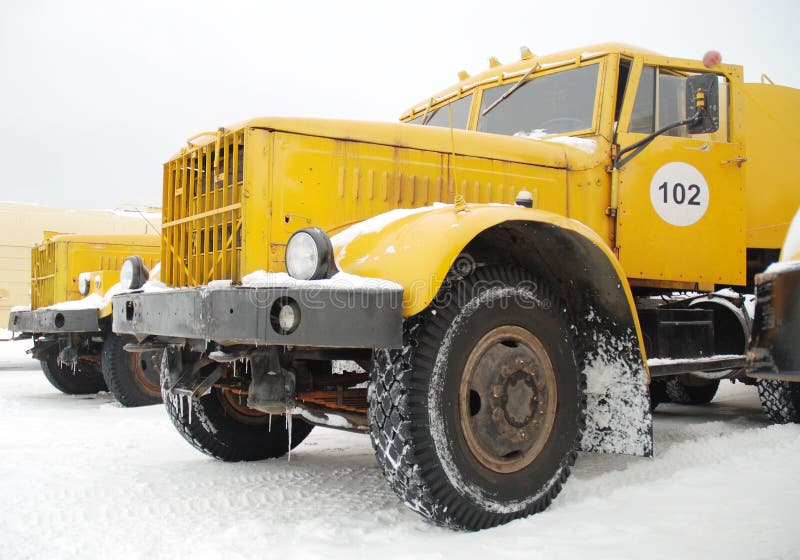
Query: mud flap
[618, 416]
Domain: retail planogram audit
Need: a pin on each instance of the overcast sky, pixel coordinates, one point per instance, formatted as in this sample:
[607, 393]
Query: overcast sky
[96, 95]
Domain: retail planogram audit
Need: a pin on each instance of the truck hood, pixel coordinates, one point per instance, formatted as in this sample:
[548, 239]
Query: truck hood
[561, 152]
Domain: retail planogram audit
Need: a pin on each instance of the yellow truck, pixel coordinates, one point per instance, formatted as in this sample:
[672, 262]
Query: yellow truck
[72, 280]
[485, 288]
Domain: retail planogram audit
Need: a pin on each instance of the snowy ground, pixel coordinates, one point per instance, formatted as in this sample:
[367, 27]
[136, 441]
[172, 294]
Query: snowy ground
[82, 477]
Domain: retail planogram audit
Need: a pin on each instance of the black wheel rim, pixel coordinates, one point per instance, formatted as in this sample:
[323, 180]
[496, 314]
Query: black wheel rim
[235, 406]
[145, 372]
[507, 399]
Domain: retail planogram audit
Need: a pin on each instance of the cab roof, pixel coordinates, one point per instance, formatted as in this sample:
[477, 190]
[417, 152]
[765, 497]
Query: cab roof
[519, 67]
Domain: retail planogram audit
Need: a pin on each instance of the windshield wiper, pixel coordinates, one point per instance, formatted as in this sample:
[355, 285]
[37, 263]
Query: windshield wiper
[511, 90]
[425, 115]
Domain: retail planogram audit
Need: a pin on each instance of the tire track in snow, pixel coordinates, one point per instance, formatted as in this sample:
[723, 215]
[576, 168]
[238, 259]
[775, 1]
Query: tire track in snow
[83, 478]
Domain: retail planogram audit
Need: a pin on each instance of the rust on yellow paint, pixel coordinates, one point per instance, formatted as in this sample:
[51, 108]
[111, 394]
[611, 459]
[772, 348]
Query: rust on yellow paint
[277, 175]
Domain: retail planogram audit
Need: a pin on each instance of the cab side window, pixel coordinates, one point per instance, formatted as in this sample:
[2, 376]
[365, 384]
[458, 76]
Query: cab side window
[661, 100]
[643, 118]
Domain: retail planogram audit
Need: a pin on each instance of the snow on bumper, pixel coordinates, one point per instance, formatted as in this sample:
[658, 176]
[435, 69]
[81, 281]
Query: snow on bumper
[326, 316]
[49, 320]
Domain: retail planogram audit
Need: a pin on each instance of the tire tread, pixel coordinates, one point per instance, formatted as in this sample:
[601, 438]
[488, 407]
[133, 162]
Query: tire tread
[403, 449]
[780, 400]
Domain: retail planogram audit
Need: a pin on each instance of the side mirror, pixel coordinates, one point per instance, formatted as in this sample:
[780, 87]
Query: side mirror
[702, 94]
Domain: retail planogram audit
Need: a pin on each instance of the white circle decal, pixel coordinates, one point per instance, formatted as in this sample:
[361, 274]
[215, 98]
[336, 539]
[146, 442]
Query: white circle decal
[679, 193]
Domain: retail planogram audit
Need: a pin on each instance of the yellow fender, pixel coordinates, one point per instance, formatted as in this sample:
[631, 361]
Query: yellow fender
[419, 248]
[416, 248]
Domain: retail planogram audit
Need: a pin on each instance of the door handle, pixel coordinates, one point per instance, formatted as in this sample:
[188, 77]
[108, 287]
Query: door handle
[737, 160]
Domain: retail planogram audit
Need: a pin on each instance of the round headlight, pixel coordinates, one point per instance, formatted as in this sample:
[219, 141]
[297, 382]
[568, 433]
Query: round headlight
[84, 282]
[133, 273]
[309, 255]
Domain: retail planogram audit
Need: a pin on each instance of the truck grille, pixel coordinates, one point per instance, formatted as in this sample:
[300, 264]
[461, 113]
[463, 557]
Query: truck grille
[202, 229]
[43, 274]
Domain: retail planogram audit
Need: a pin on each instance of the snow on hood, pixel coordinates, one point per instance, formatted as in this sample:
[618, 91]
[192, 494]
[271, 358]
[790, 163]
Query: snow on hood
[584, 144]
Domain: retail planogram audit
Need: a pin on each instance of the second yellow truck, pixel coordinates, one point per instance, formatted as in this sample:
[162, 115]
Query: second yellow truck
[70, 316]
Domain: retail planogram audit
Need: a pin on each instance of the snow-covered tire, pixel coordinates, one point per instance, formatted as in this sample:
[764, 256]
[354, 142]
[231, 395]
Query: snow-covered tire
[132, 377]
[84, 379]
[680, 393]
[780, 400]
[476, 421]
[223, 428]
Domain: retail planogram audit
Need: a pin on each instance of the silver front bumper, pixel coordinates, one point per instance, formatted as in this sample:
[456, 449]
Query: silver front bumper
[54, 321]
[328, 316]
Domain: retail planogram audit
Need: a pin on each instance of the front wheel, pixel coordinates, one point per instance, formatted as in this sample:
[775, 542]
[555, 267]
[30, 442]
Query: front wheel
[221, 425]
[132, 377]
[82, 379]
[476, 421]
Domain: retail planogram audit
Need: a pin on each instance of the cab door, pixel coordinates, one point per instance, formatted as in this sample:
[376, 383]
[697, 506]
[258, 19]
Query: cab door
[680, 218]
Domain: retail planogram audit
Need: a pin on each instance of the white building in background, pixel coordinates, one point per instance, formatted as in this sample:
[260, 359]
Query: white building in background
[23, 225]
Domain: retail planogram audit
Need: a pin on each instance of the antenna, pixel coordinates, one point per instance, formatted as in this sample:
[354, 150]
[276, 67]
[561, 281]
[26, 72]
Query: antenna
[459, 200]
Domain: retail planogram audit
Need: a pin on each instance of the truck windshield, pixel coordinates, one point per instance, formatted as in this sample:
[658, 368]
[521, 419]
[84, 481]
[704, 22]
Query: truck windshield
[552, 104]
[441, 115]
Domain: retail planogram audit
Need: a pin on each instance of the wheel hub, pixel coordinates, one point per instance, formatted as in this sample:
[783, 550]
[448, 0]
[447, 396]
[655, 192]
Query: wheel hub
[235, 405]
[507, 399]
[146, 372]
[519, 399]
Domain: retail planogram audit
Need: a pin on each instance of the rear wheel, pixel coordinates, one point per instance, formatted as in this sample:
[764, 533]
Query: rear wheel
[679, 392]
[780, 400]
[221, 425]
[132, 377]
[83, 379]
[476, 421]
